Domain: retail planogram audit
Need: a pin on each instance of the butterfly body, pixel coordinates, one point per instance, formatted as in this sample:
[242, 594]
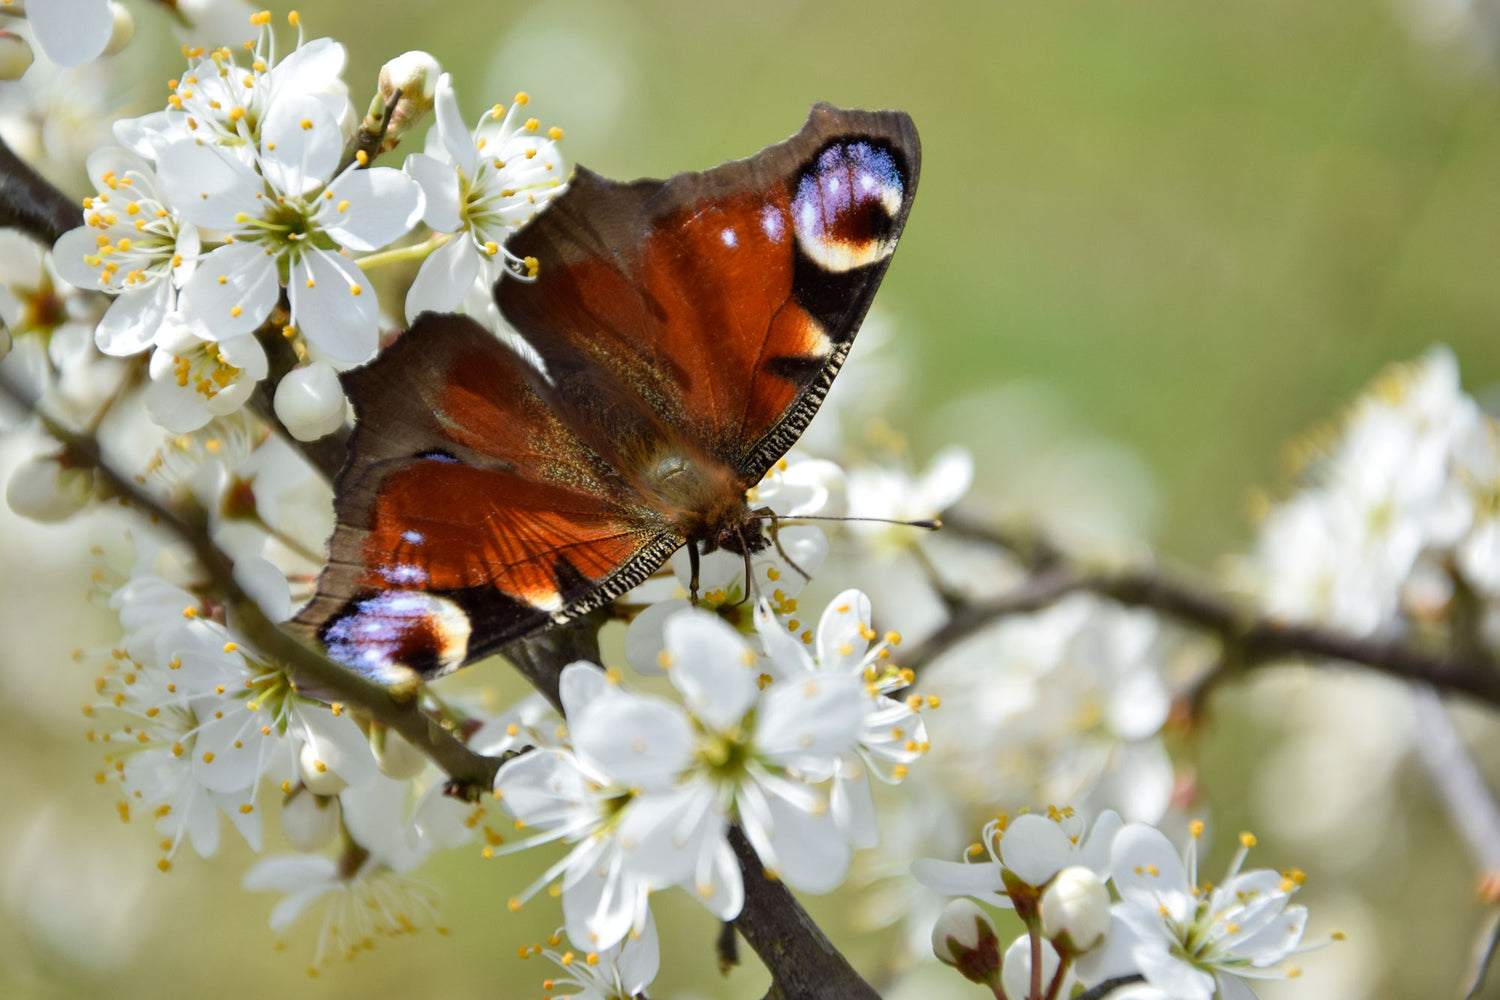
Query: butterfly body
[686, 332]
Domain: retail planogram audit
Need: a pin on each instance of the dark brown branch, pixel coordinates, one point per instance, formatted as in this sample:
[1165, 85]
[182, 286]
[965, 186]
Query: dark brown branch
[30, 203]
[804, 964]
[1249, 639]
[1107, 987]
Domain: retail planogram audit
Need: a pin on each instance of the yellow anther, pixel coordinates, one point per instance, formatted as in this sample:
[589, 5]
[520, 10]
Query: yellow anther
[554, 133]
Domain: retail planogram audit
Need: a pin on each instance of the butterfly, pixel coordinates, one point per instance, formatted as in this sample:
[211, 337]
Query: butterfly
[687, 331]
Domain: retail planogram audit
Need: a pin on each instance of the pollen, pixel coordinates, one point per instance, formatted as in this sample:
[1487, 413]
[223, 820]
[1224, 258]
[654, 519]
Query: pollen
[356, 290]
[523, 98]
[1196, 829]
[235, 310]
[1247, 840]
[306, 124]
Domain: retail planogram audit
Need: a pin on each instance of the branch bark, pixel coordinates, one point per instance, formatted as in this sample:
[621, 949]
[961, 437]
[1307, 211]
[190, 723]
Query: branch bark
[30, 203]
[1250, 639]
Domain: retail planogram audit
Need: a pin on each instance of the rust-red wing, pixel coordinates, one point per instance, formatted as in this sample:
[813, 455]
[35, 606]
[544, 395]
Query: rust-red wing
[468, 515]
[724, 300]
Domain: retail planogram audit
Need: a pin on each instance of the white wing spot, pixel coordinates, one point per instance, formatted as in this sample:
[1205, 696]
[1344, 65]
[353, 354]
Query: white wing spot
[727, 235]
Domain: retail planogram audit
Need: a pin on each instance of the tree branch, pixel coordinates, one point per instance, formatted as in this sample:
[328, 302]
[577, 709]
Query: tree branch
[1249, 639]
[306, 666]
[30, 203]
[1107, 987]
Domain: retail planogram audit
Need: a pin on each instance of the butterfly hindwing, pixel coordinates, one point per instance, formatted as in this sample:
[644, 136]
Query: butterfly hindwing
[468, 514]
[726, 299]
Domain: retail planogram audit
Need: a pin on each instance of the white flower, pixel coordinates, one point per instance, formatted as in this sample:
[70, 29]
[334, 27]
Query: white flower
[1190, 942]
[194, 380]
[893, 494]
[481, 187]
[361, 899]
[620, 972]
[218, 102]
[133, 245]
[891, 734]
[1064, 705]
[1032, 849]
[277, 219]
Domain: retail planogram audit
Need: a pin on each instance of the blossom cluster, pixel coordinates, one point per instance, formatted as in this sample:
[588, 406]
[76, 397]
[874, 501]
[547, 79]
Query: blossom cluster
[1393, 524]
[1187, 940]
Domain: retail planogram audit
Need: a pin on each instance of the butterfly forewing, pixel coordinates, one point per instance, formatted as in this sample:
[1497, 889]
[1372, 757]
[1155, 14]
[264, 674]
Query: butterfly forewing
[728, 299]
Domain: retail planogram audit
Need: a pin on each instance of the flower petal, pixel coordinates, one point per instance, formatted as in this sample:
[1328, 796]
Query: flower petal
[71, 32]
[334, 307]
[209, 186]
[637, 740]
[712, 667]
[841, 643]
[300, 144]
[440, 191]
[444, 278]
[382, 205]
[232, 292]
[1035, 848]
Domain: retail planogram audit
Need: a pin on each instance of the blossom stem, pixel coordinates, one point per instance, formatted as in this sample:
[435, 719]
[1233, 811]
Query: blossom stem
[398, 255]
[1055, 987]
[1034, 930]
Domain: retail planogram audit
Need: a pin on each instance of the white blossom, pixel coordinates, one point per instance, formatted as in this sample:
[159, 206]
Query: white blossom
[480, 186]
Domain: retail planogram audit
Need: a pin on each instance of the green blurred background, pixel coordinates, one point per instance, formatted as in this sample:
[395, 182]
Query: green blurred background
[1203, 225]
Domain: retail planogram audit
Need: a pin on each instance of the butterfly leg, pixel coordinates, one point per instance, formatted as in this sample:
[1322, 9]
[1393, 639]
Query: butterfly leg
[692, 548]
[776, 540]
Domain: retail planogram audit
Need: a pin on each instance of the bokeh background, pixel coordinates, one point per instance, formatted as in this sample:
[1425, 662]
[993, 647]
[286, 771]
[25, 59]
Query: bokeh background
[1153, 242]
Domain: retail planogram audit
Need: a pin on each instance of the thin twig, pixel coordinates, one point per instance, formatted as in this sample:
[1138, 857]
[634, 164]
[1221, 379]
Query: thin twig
[1250, 639]
[1107, 987]
[308, 667]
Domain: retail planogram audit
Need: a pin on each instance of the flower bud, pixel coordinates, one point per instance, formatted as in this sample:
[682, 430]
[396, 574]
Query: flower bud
[964, 937]
[310, 821]
[317, 776]
[48, 488]
[1075, 909]
[395, 757]
[121, 32]
[1016, 979]
[15, 59]
[415, 75]
[310, 401]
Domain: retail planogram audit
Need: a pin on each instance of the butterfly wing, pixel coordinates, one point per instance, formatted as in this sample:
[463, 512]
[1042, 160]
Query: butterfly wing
[725, 300]
[469, 514]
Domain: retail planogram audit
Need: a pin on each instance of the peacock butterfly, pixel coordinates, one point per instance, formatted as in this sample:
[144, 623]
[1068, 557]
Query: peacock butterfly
[687, 330]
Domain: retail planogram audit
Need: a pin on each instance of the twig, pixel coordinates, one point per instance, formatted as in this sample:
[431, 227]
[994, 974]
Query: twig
[30, 203]
[1107, 987]
[368, 141]
[1250, 640]
[308, 667]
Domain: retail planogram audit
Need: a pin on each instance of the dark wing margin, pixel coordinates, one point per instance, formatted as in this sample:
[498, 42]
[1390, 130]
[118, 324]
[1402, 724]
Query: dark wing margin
[467, 515]
[725, 301]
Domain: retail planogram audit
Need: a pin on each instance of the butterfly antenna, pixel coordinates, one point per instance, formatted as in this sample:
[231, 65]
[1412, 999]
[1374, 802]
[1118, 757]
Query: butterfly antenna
[929, 524]
[751, 584]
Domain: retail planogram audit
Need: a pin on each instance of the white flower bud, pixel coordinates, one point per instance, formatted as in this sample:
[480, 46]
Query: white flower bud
[415, 74]
[310, 821]
[1016, 977]
[318, 776]
[395, 757]
[15, 56]
[1076, 904]
[964, 937]
[46, 489]
[122, 31]
[310, 401]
